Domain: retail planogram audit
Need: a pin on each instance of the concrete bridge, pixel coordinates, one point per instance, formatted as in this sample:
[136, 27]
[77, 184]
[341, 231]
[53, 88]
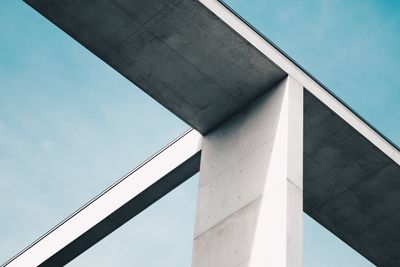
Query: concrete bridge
[270, 141]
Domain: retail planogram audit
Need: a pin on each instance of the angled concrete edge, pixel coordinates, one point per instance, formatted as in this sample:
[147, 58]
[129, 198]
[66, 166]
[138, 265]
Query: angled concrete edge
[310, 83]
[196, 58]
[150, 181]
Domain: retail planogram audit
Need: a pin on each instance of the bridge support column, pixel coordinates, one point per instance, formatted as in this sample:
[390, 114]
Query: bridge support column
[250, 201]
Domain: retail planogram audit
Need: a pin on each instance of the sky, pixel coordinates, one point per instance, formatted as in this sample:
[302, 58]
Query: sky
[70, 125]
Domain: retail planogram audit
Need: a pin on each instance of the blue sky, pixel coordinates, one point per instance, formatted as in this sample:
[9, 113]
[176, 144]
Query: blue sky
[70, 125]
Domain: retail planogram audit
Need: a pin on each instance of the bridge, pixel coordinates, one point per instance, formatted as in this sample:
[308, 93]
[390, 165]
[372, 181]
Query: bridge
[269, 140]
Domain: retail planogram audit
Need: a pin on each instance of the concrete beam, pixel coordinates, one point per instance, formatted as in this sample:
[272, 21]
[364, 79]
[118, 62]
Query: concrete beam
[310, 83]
[150, 181]
[196, 58]
[177, 51]
[250, 205]
[350, 186]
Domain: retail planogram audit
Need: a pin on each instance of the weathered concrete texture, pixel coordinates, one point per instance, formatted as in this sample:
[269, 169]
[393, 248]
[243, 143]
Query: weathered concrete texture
[350, 186]
[250, 187]
[177, 51]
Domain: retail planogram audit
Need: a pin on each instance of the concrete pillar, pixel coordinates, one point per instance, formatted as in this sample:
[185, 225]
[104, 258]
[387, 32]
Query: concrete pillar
[250, 204]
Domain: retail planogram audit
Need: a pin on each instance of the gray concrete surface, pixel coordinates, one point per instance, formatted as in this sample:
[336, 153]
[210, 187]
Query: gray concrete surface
[350, 186]
[176, 51]
[250, 186]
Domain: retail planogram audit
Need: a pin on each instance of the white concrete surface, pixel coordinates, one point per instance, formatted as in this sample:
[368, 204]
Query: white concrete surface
[110, 201]
[250, 195]
[300, 75]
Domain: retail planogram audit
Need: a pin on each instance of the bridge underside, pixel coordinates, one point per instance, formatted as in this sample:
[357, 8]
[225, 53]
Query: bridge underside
[202, 70]
[350, 186]
[176, 51]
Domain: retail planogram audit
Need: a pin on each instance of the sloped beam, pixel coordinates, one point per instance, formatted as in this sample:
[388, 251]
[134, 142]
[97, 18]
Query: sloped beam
[310, 83]
[153, 179]
[177, 51]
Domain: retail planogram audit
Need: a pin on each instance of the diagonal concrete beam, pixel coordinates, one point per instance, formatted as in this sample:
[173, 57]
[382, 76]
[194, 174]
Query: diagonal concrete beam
[176, 51]
[198, 59]
[310, 83]
[143, 186]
